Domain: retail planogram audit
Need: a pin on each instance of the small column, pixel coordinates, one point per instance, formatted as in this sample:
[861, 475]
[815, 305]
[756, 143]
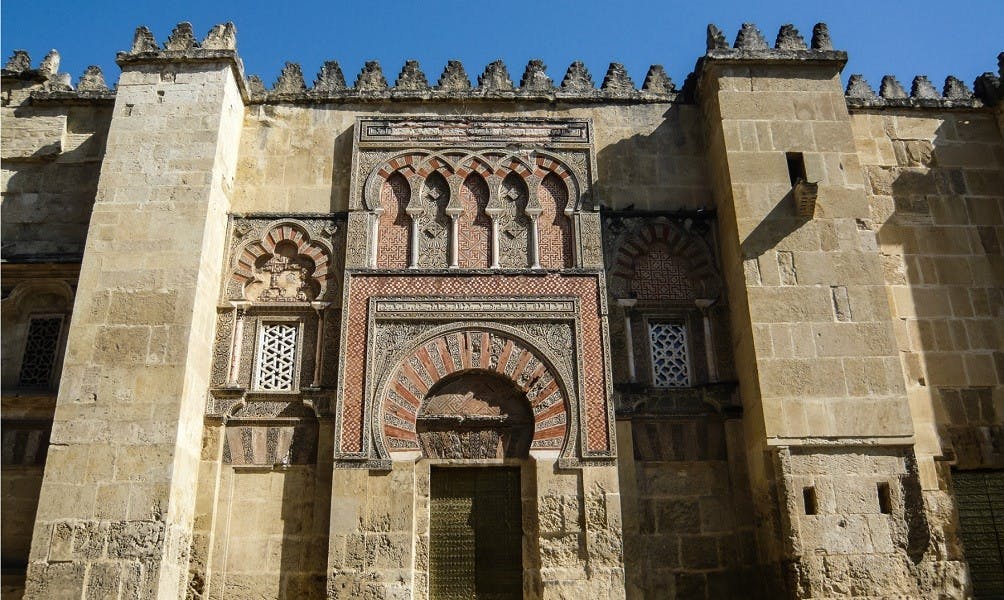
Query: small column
[709, 348]
[627, 304]
[240, 307]
[535, 244]
[454, 241]
[573, 222]
[375, 236]
[319, 308]
[413, 259]
[495, 241]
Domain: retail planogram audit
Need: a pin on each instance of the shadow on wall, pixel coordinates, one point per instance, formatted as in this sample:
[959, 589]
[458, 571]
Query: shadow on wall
[939, 212]
[49, 197]
[665, 170]
[782, 221]
[306, 498]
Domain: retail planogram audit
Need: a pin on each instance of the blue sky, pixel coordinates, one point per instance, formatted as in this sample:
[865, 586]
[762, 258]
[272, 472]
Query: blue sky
[903, 38]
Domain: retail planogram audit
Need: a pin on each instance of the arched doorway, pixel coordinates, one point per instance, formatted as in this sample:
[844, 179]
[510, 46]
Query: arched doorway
[475, 415]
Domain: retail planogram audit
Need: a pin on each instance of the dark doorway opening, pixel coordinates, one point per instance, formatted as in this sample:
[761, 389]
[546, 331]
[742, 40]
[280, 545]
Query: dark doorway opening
[475, 534]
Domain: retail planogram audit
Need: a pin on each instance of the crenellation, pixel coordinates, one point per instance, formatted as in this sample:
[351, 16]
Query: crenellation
[182, 38]
[617, 83]
[495, 79]
[330, 78]
[454, 78]
[411, 78]
[290, 80]
[255, 86]
[892, 89]
[19, 62]
[859, 89]
[577, 79]
[371, 79]
[658, 82]
[788, 38]
[956, 89]
[923, 89]
[49, 66]
[92, 80]
[535, 79]
[821, 37]
[144, 41]
[750, 38]
[221, 37]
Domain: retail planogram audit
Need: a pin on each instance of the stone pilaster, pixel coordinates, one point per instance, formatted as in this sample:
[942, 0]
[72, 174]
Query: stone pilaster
[828, 427]
[116, 510]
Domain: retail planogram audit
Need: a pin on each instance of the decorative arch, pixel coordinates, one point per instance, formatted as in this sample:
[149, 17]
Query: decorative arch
[33, 289]
[486, 350]
[404, 164]
[284, 265]
[555, 226]
[662, 262]
[545, 165]
[394, 222]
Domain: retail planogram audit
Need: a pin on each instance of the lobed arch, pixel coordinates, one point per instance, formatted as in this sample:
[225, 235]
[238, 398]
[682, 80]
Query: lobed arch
[318, 252]
[697, 258]
[532, 168]
[448, 352]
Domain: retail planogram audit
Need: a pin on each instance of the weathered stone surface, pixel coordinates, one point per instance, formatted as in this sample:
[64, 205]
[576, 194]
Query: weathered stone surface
[717, 396]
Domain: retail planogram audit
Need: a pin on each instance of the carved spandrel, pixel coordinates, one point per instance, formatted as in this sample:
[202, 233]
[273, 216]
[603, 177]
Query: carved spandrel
[434, 224]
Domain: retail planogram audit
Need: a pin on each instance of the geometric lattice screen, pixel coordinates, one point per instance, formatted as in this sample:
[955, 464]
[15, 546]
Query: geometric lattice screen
[668, 342]
[276, 357]
[40, 351]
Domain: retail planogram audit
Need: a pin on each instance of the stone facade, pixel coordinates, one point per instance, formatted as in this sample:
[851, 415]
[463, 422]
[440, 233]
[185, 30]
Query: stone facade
[737, 339]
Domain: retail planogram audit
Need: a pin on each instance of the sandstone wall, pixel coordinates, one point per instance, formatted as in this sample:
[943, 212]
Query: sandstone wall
[686, 508]
[297, 158]
[51, 161]
[936, 201]
[116, 508]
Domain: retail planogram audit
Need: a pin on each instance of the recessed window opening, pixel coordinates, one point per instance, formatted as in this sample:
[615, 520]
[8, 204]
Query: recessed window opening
[885, 498]
[796, 167]
[809, 500]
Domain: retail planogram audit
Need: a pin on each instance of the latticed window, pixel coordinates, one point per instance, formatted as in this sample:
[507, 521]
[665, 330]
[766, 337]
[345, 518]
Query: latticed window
[276, 369]
[668, 343]
[40, 351]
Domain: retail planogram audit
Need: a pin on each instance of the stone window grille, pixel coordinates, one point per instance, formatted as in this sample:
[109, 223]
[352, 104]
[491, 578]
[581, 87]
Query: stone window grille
[670, 364]
[41, 351]
[275, 369]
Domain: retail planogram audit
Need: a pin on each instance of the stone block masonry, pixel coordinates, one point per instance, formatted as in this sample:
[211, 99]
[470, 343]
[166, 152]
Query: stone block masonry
[736, 338]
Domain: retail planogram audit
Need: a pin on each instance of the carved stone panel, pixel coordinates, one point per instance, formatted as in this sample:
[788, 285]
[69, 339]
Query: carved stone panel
[514, 225]
[433, 224]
